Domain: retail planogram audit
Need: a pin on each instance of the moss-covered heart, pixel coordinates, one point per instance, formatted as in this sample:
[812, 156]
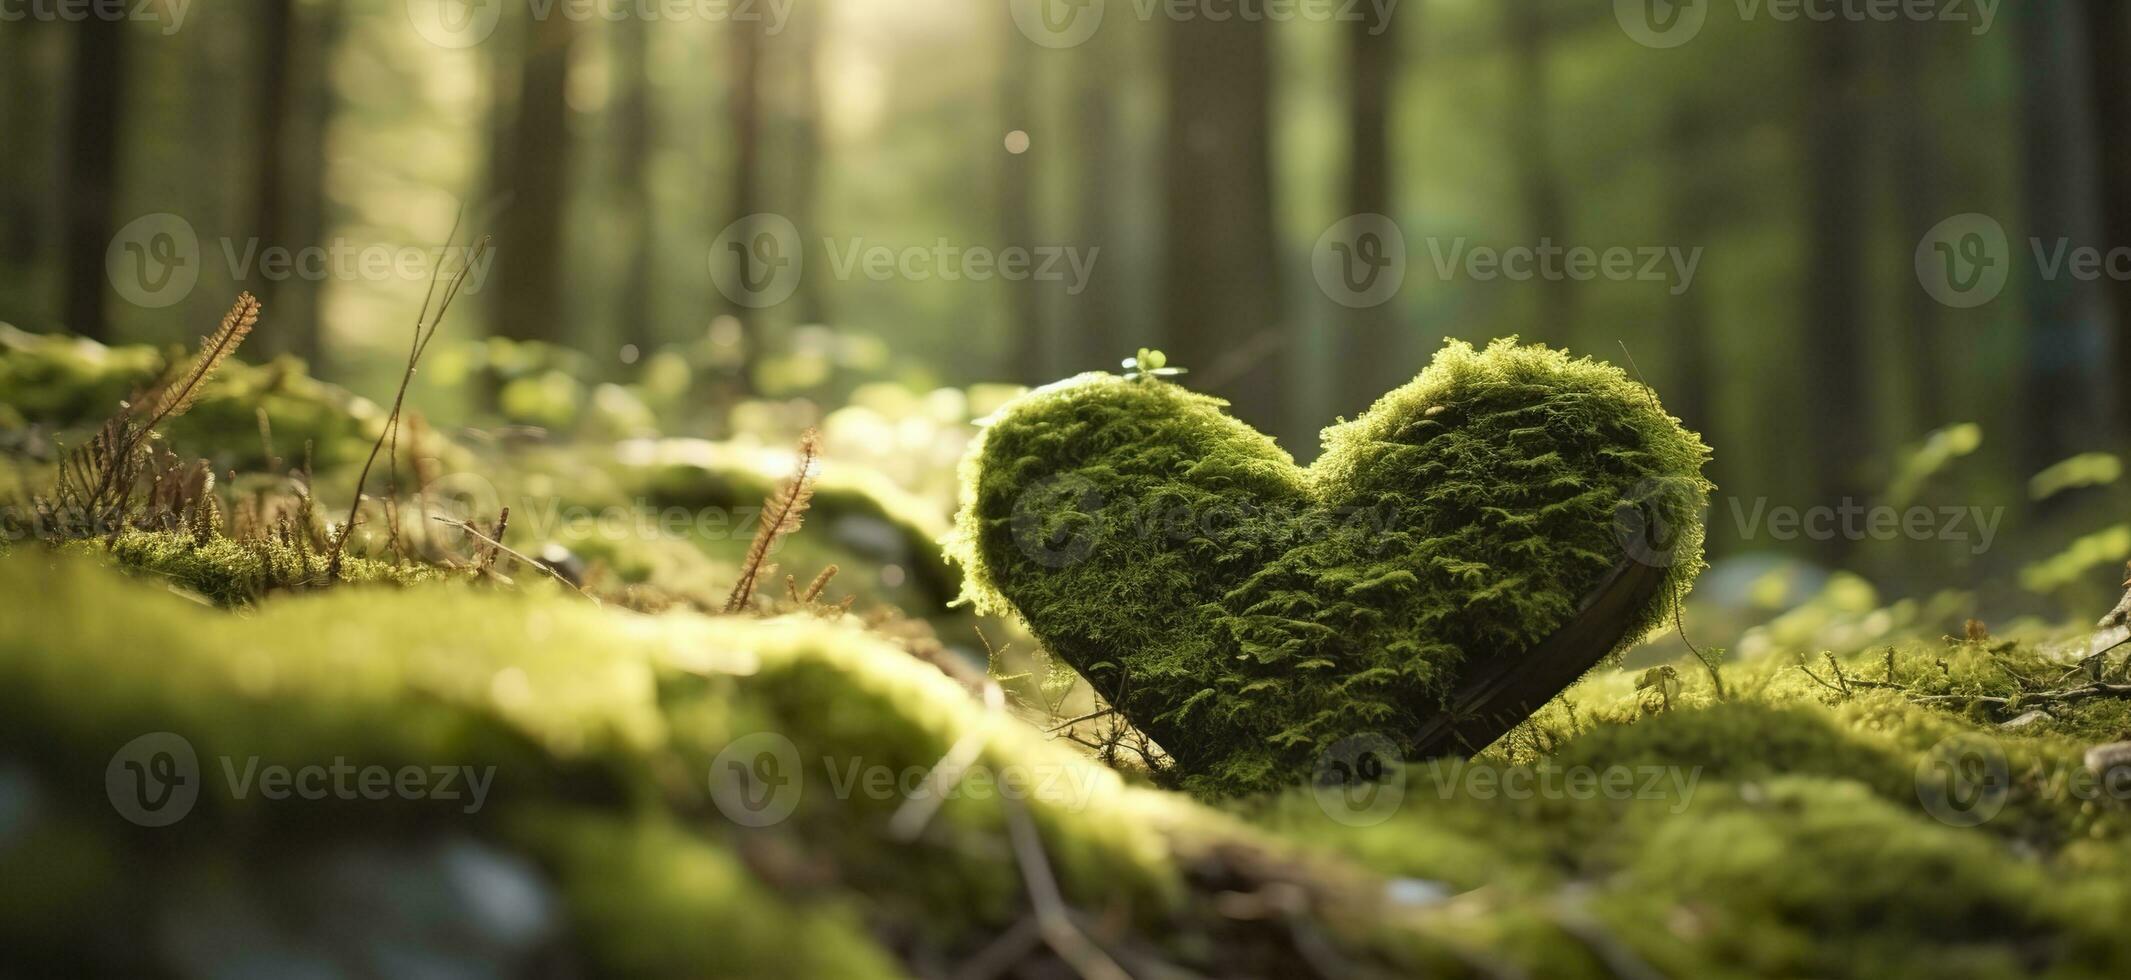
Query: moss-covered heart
[1250, 614]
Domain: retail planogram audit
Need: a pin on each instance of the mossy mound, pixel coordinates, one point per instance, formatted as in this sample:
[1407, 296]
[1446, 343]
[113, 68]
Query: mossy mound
[71, 385]
[228, 572]
[858, 519]
[1844, 826]
[1778, 832]
[1250, 614]
[602, 840]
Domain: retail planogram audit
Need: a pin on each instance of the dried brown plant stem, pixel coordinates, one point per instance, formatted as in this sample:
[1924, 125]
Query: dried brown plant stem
[782, 514]
[425, 330]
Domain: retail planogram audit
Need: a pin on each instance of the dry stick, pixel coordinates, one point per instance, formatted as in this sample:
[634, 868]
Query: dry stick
[1070, 722]
[1054, 921]
[418, 345]
[483, 537]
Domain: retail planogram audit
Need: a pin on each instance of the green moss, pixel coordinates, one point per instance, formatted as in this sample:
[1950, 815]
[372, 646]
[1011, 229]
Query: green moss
[231, 573]
[603, 727]
[1248, 613]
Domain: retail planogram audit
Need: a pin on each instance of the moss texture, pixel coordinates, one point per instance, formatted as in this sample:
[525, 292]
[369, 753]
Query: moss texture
[1249, 614]
[602, 727]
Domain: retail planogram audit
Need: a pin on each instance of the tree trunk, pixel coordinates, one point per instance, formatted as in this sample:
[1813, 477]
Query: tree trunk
[803, 36]
[744, 111]
[1688, 205]
[1026, 335]
[1832, 355]
[2066, 341]
[1914, 158]
[1545, 213]
[1221, 298]
[90, 195]
[21, 116]
[632, 183]
[528, 280]
[307, 214]
[2107, 24]
[1096, 315]
[288, 159]
[1368, 348]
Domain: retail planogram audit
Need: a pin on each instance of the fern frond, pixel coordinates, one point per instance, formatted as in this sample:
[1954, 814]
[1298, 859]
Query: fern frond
[782, 513]
[215, 349]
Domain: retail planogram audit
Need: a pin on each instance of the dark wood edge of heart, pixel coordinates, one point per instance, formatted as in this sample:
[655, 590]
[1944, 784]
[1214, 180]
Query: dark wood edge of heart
[1507, 689]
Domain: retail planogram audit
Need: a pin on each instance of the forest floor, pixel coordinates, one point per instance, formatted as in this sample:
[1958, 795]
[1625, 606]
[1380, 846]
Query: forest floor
[489, 746]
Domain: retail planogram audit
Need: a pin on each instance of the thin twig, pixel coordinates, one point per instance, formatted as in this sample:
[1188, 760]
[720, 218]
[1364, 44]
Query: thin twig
[416, 347]
[469, 528]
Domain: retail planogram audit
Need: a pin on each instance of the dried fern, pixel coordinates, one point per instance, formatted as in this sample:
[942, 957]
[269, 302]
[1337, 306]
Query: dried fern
[97, 480]
[782, 514]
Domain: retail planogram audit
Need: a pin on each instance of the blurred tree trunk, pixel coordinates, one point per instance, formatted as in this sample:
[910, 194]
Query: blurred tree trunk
[288, 203]
[2108, 22]
[1839, 417]
[1914, 157]
[1097, 317]
[1221, 297]
[1688, 205]
[1369, 349]
[1545, 214]
[22, 179]
[803, 34]
[89, 196]
[533, 167]
[744, 113]
[632, 182]
[1026, 335]
[2066, 341]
